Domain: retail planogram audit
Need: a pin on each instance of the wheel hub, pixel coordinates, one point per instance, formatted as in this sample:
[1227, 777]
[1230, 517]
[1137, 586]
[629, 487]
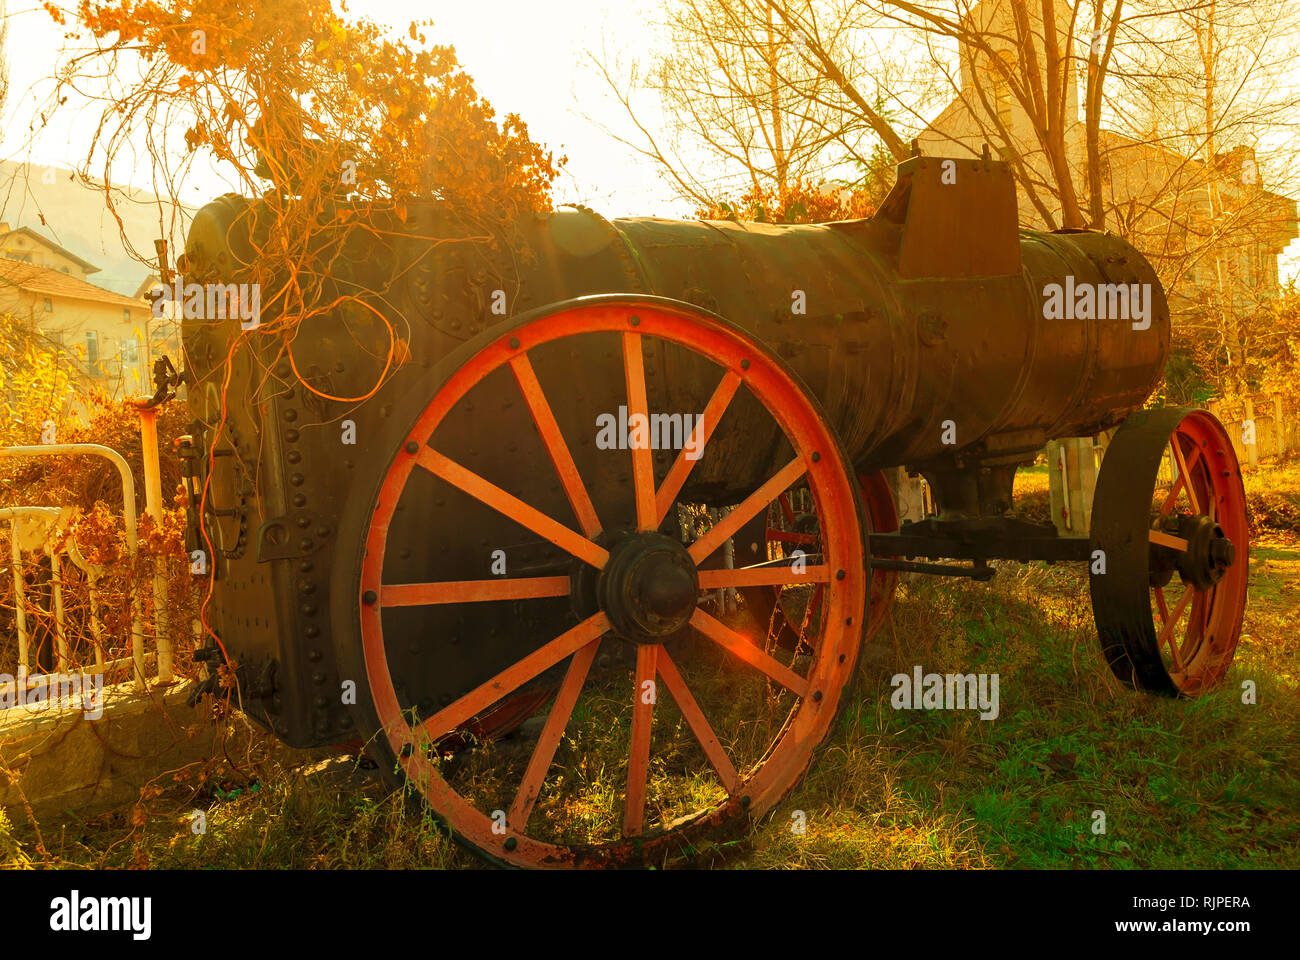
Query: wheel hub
[648, 588]
[1209, 552]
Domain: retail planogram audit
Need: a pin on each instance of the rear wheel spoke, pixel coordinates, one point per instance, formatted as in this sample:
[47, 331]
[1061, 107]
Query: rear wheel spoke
[785, 536]
[1183, 480]
[1168, 635]
[1196, 621]
[1172, 496]
[1160, 538]
[1183, 471]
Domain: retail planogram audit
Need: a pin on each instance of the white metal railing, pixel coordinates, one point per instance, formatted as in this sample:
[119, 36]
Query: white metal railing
[43, 526]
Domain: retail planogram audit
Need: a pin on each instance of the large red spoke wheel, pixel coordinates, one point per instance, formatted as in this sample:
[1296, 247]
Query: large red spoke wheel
[1169, 515]
[668, 728]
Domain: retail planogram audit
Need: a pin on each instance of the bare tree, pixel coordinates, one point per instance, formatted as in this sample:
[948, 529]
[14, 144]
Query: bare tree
[1186, 144]
[4, 55]
[753, 97]
[1199, 166]
[1163, 123]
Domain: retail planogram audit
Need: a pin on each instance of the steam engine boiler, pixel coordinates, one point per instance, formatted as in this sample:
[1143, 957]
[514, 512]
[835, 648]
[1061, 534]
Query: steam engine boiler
[477, 487]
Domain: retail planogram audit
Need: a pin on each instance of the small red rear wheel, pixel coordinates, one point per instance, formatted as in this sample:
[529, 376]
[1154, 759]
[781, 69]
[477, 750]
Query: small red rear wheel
[1169, 583]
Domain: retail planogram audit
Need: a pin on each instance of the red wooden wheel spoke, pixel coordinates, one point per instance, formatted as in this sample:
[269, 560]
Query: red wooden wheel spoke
[1172, 495]
[638, 761]
[761, 577]
[746, 511]
[1167, 633]
[558, 450]
[512, 507]
[1161, 605]
[813, 603]
[704, 427]
[785, 536]
[1184, 472]
[544, 750]
[1167, 540]
[472, 591]
[1184, 480]
[723, 635]
[786, 510]
[515, 676]
[643, 468]
[695, 719]
[1196, 624]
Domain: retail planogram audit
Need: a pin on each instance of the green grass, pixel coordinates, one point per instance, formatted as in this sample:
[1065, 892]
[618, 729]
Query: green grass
[1210, 783]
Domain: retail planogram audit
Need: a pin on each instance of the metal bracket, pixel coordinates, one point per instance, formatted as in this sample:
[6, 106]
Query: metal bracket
[166, 380]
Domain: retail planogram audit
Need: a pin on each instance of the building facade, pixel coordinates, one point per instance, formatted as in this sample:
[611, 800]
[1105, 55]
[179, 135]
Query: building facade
[109, 339]
[1212, 230]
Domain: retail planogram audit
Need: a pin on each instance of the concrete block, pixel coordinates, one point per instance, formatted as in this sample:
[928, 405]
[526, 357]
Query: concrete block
[61, 761]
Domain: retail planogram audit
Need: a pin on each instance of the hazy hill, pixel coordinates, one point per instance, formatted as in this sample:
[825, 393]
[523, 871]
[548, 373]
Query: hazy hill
[77, 218]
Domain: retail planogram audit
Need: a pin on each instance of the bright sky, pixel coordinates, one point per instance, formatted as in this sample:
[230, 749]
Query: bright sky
[526, 56]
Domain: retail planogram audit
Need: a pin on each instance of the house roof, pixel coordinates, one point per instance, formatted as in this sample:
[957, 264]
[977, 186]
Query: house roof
[147, 284]
[47, 282]
[61, 251]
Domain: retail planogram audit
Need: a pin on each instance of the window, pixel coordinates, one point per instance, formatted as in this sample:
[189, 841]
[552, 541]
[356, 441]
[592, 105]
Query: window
[92, 349]
[126, 315]
[48, 305]
[130, 350]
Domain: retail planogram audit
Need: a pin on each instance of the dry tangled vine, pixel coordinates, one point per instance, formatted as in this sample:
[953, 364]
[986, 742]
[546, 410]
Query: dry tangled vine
[334, 125]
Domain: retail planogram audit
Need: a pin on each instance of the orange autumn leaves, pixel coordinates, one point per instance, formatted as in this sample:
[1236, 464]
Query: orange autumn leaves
[799, 203]
[338, 127]
[350, 126]
[330, 100]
